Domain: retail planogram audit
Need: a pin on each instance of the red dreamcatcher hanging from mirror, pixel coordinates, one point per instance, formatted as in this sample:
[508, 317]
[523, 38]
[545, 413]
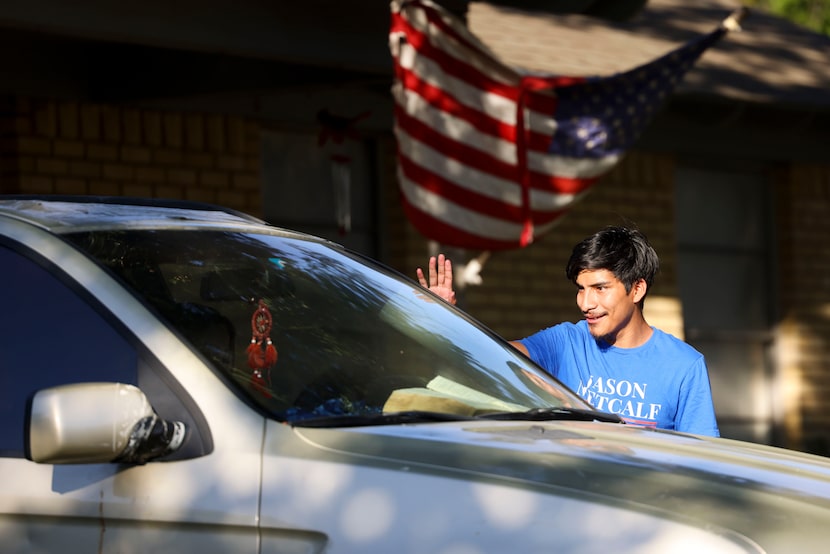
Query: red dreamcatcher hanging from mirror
[262, 354]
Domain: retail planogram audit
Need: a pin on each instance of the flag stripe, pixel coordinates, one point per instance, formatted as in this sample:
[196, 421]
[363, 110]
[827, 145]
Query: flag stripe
[559, 174]
[424, 27]
[430, 225]
[488, 153]
[490, 114]
[418, 96]
[504, 203]
[442, 63]
[457, 150]
[463, 215]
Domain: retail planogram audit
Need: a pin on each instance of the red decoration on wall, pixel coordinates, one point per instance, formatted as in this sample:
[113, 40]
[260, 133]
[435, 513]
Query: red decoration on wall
[261, 352]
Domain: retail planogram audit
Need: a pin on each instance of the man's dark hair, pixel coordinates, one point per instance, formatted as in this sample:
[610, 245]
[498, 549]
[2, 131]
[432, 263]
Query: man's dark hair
[624, 252]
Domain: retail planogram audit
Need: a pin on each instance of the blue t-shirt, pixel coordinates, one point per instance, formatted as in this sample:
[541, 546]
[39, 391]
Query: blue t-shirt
[664, 383]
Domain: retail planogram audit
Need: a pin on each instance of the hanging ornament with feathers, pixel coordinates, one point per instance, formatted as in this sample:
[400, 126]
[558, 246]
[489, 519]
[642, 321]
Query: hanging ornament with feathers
[262, 354]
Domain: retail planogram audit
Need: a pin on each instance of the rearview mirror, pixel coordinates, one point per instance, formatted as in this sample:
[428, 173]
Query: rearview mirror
[98, 423]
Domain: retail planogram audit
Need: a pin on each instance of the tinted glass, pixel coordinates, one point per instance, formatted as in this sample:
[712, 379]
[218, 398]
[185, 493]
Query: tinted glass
[306, 329]
[49, 336]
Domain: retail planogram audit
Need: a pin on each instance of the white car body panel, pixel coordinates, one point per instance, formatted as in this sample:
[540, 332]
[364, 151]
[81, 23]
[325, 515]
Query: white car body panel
[371, 506]
[461, 487]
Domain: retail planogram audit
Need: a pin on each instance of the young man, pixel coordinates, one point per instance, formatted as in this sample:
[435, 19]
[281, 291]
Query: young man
[613, 358]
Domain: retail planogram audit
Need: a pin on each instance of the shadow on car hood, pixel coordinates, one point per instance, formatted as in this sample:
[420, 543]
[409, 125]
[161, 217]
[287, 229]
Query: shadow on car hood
[752, 489]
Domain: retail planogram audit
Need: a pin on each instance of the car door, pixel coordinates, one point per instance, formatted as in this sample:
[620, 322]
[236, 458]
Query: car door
[54, 329]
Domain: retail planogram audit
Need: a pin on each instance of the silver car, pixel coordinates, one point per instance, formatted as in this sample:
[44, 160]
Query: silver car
[183, 378]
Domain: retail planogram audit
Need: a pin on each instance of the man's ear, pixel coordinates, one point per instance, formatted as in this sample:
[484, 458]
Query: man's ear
[639, 290]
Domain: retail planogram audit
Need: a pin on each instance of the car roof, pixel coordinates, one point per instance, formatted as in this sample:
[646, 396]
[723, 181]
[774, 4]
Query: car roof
[63, 214]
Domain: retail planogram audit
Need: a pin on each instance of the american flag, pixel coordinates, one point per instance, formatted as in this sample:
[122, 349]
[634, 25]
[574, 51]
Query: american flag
[489, 155]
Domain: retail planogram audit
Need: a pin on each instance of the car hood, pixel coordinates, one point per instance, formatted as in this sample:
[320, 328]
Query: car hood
[780, 496]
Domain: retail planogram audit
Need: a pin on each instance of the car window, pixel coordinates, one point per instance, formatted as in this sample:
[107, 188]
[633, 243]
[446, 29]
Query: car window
[52, 334]
[49, 336]
[305, 329]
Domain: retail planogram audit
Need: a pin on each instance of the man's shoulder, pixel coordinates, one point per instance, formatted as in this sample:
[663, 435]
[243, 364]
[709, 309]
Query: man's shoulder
[568, 328]
[668, 341]
[561, 333]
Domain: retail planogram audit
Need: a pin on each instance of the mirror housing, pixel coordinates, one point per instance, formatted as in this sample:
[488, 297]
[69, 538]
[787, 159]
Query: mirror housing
[98, 423]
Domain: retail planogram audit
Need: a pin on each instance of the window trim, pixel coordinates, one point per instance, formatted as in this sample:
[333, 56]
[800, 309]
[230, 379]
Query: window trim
[154, 379]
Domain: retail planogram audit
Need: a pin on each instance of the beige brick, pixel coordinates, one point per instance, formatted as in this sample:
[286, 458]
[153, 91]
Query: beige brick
[36, 184]
[70, 186]
[138, 190]
[105, 188]
[232, 162]
[34, 145]
[90, 122]
[26, 164]
[149, 175]
[68, 120]
[69, 148]
[167, 156]
[132, 127]
[153, 133]
[110, 123]
[102, 152]
[200, 195]
[253, 135]
[253, 163]
[246, 182]
[236, 135]
[78, 168]
[117, 172]
[215, 133]
[214, 179]
[194, 126]
[169, 191]
[46, 119]
[173, 130]
[51, 166]
[135, 154]
[199, 160]
[181, 177]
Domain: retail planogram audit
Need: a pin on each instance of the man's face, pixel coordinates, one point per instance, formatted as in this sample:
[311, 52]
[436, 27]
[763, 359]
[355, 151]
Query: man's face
[607, 308]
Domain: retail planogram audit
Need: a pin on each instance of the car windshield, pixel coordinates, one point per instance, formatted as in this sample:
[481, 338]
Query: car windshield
[306, 329]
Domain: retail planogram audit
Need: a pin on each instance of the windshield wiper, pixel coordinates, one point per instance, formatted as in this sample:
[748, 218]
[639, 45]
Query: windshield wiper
[400, 418]
[392, 418]
[548, 414]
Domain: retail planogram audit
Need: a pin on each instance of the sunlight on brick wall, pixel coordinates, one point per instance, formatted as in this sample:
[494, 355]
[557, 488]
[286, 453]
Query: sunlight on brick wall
[790, 389]
[665, 313]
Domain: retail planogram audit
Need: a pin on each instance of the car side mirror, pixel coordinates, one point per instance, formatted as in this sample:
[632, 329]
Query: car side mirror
[98, 423]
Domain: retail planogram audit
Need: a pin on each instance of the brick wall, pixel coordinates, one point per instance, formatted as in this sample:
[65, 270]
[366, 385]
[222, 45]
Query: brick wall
[53, 147]
[803, 228]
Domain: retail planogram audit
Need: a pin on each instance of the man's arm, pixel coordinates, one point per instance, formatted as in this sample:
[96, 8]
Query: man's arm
[520, 347]
[696, 410]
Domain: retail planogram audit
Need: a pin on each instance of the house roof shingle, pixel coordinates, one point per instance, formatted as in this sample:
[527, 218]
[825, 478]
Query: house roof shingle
[771, 60]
